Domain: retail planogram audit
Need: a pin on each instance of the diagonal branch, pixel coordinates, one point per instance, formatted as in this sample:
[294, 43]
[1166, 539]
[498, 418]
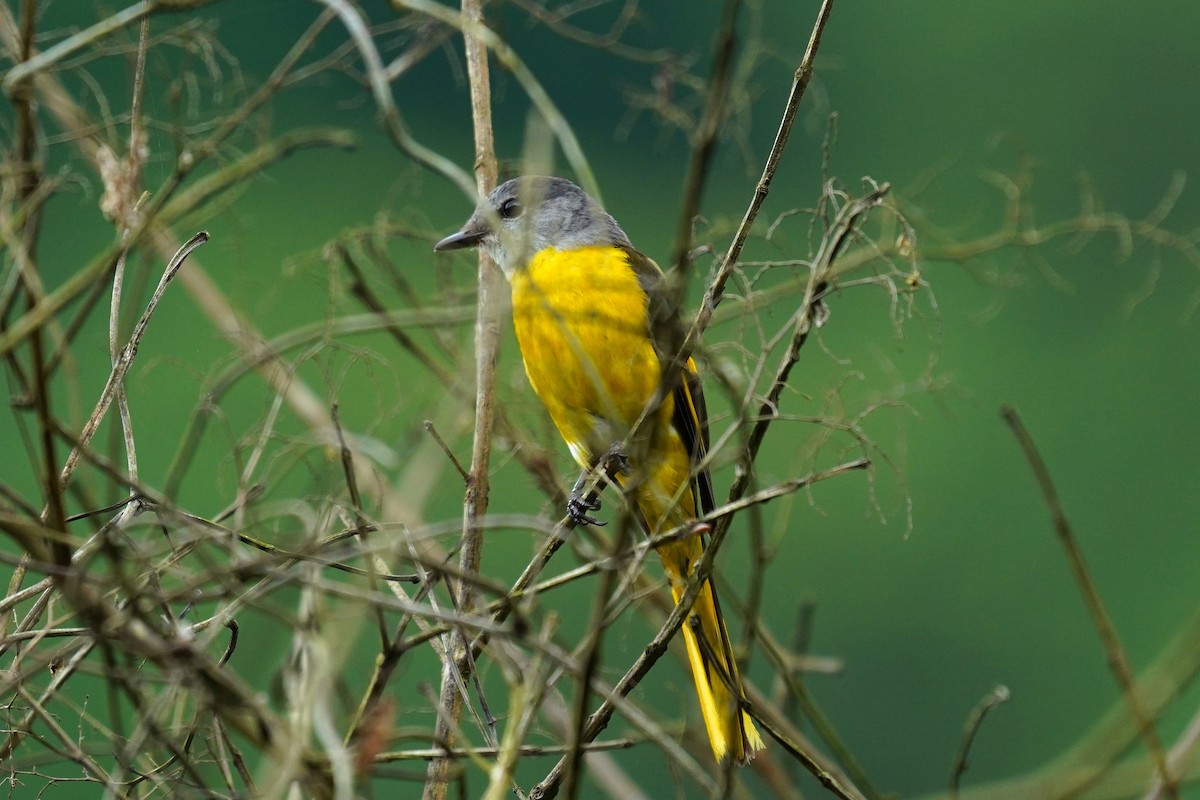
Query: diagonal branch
[125, 358]
[1118, 662]
[716, 289]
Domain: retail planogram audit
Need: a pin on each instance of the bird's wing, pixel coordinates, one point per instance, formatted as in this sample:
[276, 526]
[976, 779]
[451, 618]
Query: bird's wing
[690, 419]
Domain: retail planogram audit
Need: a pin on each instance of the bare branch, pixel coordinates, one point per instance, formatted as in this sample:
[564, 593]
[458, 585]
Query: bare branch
[1117, 660]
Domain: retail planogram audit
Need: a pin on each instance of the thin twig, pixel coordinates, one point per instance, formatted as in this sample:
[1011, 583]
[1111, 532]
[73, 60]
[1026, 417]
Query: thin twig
[1089, 767]
[381, 90]
[1185, 746]
[88, 37]
[716, 288]
[549, 787]
[124, 189]
[525, 750]
[704, 144]
[826, 778]
[361, 290]
[589, 650]
[525, 701]
[29, 198]
[475, 28]
[599, 719]
[1118, 662]
[974, 722]
[432, 430]
[129, 352]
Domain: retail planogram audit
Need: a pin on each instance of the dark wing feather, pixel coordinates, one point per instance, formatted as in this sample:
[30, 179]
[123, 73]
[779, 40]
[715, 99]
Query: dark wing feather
[690, 418]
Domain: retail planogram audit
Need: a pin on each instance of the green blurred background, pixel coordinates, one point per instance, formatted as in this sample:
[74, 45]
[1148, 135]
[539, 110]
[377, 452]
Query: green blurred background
[931, 96]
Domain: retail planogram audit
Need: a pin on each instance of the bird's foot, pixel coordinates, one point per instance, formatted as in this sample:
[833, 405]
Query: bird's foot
[579, 503]
[616, 462]
[612, 464]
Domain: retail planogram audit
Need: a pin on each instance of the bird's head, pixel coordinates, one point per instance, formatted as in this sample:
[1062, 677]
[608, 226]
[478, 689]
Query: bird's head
[523, 216]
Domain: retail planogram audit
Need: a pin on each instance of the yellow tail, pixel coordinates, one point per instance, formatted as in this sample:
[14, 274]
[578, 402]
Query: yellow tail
[730, 731]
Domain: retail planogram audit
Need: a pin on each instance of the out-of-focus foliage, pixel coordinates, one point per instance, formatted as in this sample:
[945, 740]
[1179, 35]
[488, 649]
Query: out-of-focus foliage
[1038, 248]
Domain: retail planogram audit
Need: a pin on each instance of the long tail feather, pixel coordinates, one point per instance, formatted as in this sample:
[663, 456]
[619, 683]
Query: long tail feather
[710, 654]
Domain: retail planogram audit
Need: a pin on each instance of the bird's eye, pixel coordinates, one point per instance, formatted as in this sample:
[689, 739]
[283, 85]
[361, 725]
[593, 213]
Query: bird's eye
[510, 209]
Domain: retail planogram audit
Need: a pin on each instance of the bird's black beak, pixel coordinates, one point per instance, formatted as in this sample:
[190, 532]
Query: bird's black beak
[467, 237]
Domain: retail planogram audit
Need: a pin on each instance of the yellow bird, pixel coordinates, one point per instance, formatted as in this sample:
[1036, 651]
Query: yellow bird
[588, 310]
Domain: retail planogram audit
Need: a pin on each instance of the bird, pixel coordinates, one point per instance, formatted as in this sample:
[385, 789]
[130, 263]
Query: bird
[593, 322]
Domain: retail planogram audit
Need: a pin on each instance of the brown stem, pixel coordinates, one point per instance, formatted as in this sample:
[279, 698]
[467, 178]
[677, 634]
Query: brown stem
[459, 661]
[1118, 662]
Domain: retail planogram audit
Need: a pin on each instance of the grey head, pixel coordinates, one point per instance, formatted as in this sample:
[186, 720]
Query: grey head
[526, 215]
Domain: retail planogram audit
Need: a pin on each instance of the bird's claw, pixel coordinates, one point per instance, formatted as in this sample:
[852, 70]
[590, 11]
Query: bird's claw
[579, 503]
[616, 462]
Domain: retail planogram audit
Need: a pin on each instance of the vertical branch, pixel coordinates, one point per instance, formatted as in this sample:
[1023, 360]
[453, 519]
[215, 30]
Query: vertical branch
[1117, 659]
[29, 180]
[459, 661]
[124, 191]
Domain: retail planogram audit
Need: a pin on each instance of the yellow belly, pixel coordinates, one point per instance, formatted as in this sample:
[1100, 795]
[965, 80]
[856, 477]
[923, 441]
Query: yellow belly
[580, 319]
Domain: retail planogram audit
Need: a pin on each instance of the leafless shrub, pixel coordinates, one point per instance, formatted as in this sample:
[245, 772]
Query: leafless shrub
[140, 634]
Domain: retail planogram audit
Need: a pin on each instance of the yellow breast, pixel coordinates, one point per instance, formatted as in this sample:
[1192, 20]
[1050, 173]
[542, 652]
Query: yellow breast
[580, 319]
